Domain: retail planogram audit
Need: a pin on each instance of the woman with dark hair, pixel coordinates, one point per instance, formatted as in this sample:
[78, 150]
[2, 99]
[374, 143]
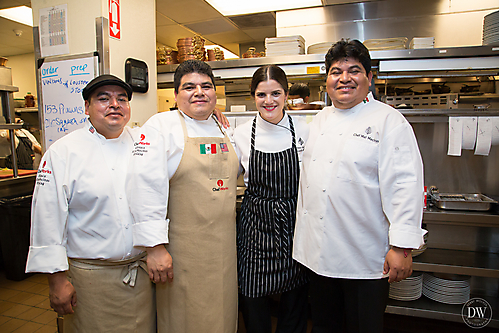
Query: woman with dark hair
[269, 150]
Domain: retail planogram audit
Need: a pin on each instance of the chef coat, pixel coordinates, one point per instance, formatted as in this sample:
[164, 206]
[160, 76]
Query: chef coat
[361, 190]
[80, 208]
[156, 156]
[269, 138]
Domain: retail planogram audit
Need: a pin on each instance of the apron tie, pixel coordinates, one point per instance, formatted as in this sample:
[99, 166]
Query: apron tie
[131, 277]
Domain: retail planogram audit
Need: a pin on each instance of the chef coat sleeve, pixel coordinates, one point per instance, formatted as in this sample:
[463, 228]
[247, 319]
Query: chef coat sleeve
[401, 186]
[147, 186]
[49, 215]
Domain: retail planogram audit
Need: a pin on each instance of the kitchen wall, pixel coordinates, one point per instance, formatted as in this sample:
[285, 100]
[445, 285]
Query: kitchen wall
[23, 74]
[452, 22]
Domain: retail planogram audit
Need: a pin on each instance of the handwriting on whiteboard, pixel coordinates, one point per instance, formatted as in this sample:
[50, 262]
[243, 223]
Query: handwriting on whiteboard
[62, 84]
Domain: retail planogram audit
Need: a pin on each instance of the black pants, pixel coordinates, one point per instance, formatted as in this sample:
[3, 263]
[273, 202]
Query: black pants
[292, 314]
[347, 305]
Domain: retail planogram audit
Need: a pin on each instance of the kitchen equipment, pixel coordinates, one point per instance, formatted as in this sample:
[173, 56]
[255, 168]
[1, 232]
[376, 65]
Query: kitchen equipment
[458, 201]
[440, 88]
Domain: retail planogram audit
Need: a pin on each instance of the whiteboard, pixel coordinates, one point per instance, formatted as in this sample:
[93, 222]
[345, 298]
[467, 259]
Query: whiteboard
[62, 105]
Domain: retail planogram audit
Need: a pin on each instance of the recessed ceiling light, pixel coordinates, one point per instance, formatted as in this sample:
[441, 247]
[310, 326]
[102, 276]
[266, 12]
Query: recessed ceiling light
[21, 14]
[231, 7]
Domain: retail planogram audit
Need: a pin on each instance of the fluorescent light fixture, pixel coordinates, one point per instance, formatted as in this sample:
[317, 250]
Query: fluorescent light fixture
[231, 7]
[21, 14]
[227, 53]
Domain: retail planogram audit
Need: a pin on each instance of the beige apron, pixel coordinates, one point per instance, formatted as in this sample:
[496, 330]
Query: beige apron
[111, 296]
[203, 295]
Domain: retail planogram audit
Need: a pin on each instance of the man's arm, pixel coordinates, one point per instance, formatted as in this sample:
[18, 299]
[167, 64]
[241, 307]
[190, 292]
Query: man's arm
[401, 186]
[62, 294]
[147, 191]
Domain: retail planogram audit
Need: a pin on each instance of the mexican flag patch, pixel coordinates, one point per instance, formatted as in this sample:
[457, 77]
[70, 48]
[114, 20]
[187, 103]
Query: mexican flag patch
[209, 148]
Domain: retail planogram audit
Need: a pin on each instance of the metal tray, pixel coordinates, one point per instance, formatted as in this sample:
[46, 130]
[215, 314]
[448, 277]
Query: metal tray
[474, 201]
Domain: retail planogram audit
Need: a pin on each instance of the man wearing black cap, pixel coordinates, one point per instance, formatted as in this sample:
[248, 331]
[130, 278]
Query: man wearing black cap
[81, 232]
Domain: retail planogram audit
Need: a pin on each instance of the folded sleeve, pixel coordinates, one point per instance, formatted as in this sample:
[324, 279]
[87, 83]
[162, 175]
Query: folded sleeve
[401, 186]
[147, 186]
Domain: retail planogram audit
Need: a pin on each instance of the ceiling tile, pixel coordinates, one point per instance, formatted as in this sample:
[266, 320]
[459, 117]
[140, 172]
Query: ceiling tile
[187, 11]
[254, 20]
[212, 26]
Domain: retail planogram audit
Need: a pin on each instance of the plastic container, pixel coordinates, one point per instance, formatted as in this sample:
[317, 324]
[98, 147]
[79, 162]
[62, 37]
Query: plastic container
[29, 100]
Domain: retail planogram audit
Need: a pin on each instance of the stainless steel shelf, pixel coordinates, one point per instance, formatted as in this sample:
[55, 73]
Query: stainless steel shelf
[458, 262]
[456, 217]
[11, 126]
[427, 308]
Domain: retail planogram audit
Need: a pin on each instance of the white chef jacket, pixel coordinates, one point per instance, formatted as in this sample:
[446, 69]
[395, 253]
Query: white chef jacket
[269, 138]
[156, 156]
[361, 190]
[80, 208]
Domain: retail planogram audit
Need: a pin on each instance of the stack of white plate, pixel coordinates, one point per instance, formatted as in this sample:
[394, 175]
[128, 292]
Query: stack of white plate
[446, 288]
[491, 29]
[409, 289]
[289, 45]
[422, 248]
[386, 43]
[422, 43]
[319, 48]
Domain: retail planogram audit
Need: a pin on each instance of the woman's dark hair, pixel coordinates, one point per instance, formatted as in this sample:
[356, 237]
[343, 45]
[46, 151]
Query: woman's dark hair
[269, 72]
[191, 66]
[348, 49]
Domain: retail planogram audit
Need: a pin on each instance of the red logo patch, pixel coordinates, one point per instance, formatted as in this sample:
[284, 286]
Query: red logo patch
[142, 137]
[44, 164]
[220, 182]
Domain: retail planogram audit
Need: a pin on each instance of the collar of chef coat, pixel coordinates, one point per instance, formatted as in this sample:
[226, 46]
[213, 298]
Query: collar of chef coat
[90, 128]
[367, 100]
[260, 122]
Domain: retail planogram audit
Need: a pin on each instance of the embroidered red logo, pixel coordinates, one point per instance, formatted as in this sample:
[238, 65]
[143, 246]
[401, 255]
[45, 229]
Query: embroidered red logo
[91, 129]
[44, 164]
[142, 138]
[220, 184]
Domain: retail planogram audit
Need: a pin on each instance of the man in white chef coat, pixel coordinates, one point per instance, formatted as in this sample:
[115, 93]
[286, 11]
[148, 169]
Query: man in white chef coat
[361, 199]
[81, 225]
[182, 192]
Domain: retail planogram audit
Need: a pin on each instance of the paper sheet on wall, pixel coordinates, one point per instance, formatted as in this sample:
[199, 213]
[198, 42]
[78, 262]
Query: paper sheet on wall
[53, 31]
[484, 136]
[495, 130]
[455, 136]
[469, 132]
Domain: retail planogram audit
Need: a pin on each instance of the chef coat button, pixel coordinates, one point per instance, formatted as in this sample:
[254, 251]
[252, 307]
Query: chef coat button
[321, 217]
[112, 169]
[330, 161]
[314, 159]
[396, 148]
[305, 212]
[341, 134]
[127, 226]
[308, 186]
[323, 190]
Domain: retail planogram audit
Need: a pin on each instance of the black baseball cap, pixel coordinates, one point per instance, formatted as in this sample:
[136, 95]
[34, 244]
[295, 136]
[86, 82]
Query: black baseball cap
[106, 80]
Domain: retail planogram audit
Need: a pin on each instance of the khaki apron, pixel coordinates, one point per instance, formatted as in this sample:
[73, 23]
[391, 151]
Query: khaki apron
[203, 295]
[111, 296]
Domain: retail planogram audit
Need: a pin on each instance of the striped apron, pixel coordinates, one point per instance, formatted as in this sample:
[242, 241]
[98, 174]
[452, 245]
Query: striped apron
[267, 222]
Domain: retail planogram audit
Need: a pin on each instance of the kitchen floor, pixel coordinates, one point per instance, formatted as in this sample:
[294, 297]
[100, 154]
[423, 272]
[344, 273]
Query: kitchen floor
[25, 306]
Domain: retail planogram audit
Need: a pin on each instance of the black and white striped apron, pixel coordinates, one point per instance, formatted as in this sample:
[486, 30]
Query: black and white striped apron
[267, 222]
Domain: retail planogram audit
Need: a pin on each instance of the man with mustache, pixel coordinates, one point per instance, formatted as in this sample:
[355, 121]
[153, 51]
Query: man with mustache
[81, 225]
[360, 204]
[182, 191]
